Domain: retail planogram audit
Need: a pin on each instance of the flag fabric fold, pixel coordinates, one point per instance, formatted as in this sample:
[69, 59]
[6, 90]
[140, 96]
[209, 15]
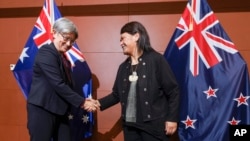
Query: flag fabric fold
[81, 120]
[212, 75]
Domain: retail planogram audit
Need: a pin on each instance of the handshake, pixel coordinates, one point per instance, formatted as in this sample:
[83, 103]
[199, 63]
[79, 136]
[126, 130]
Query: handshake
[91, 105]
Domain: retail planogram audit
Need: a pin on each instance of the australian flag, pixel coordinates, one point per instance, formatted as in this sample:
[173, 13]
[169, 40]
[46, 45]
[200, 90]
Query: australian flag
[81, 121]
[212, 75]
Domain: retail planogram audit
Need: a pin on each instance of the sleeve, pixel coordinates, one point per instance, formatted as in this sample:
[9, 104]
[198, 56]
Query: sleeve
[171, 89]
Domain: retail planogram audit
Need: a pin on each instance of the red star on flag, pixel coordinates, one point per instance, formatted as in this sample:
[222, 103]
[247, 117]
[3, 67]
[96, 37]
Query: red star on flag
[233, 121]
[210, 92]
[242, 100]
[189, 122]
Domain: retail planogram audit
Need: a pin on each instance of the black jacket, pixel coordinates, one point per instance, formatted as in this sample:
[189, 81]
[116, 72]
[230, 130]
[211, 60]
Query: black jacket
[50, 88]
[157, 89]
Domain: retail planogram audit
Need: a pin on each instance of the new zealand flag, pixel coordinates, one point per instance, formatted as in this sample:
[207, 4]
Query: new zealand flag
[212, 75]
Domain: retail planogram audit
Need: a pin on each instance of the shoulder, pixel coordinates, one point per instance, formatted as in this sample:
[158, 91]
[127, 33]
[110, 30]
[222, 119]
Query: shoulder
[124, 64]
[47, 52]
[152, 55]
[48, 49]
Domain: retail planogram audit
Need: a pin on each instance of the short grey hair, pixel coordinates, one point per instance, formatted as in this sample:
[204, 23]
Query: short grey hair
[64, 25]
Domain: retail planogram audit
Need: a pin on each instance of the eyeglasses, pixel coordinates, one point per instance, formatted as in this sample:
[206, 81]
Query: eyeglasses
[67, 39]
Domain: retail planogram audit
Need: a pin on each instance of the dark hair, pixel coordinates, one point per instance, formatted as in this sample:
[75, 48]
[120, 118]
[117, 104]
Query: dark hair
[134, 27]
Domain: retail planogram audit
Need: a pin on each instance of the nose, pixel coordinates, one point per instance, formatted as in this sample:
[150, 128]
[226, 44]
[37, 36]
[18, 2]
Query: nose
[122, 44]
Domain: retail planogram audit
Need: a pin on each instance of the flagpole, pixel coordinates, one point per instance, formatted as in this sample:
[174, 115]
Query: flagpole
[52, 17]
[191, 18]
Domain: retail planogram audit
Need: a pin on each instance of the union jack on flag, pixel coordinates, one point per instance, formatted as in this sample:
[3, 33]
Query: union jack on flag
[196, 27]
[81, 121]
[212, 75]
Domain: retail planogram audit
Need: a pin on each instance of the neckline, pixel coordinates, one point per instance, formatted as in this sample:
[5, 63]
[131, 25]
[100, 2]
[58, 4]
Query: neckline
[134, 67]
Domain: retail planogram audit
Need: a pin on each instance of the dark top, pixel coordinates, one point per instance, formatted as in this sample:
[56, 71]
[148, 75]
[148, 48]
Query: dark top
[157, 93]
[50, 86]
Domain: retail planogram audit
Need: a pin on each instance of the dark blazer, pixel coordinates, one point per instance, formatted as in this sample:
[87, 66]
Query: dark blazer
[157, 89]
[50, 88]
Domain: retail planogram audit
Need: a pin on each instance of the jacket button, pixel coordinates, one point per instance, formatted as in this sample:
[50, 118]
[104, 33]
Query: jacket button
[149, 116]
[146, 103]
[145, 89]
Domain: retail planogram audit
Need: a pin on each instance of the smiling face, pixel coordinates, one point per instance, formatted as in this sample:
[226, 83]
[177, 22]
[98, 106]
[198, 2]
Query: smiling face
[128, 43]
[63, 41]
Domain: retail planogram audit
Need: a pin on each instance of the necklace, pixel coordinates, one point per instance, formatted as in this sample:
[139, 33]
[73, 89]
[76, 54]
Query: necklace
[133, 76]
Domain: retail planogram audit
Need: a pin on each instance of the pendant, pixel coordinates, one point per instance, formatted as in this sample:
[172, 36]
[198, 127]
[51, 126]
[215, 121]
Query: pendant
[133, 77]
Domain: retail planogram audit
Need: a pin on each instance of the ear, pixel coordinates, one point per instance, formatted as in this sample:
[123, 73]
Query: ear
[136, 36]
[53, 33]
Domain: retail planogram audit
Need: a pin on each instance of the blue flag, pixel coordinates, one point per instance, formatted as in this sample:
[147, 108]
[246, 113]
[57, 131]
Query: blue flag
[81, 121]
[212, 75]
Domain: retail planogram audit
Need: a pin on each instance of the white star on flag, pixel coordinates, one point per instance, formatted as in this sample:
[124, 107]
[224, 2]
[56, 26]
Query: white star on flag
[24, 54]
[85, 119]
[70, 116]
